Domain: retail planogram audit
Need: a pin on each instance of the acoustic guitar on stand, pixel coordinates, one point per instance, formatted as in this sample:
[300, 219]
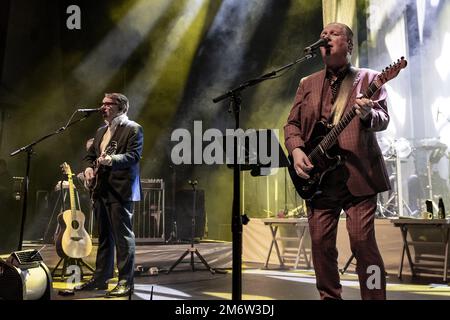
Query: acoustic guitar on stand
[72, 239]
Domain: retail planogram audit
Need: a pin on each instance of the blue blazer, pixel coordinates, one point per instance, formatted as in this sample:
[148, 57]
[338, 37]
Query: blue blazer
[121, 181]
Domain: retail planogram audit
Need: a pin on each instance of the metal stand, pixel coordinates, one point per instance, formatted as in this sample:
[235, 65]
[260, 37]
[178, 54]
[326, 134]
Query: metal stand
[234, 97]
[347, 264]
[397, 195]
[173, 236]
[29, 150]
[192, 249]
[70, 262]
[430, 184]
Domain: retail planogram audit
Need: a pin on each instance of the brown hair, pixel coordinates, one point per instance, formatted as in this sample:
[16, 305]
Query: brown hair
[121, 100]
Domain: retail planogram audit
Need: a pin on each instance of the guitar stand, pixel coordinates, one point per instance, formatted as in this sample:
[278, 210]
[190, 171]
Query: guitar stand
[342, 271]
[70, 262]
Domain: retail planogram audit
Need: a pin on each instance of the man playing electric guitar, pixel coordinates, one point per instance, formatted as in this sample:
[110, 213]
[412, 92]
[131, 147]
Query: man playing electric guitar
[352, 186]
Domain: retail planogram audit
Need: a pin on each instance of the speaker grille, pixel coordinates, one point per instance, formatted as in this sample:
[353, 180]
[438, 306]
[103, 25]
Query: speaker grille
[25, 258]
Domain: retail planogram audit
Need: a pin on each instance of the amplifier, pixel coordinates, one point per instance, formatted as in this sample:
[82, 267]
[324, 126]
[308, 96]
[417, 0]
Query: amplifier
[148, 219]
[24, 276]
[152, 183]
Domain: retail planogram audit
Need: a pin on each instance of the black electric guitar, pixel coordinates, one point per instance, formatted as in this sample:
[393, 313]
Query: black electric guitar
[72, 239]
[98, 169]
[323, 151]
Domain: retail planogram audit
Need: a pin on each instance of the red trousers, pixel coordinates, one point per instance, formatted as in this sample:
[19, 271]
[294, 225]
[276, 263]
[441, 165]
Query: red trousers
[323, 217]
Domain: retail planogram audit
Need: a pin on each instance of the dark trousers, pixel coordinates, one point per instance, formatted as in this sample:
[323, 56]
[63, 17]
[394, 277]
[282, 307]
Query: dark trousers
[115, 230]
[323, 218]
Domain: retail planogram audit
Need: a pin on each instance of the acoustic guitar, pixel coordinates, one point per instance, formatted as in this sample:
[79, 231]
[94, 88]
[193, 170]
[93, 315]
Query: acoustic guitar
[94, 185]
[323, 151]
[72, 240]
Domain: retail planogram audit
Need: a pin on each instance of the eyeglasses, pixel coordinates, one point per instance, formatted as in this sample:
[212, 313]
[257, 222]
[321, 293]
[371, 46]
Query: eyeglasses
[108, 103]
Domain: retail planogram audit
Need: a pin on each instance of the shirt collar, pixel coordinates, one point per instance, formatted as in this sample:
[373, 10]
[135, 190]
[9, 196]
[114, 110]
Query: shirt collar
[340, 74]
[117, 120]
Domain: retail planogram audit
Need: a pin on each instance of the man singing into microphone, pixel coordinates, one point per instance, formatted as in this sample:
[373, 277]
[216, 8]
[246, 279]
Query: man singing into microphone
[325, 96]
[118, 186]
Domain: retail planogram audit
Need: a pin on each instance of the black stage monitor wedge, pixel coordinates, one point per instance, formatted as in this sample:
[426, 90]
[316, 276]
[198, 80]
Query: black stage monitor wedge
[24, 276]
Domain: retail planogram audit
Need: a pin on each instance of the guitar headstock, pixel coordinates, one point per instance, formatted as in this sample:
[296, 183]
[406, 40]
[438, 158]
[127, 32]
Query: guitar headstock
[390, 72]
[66, 169]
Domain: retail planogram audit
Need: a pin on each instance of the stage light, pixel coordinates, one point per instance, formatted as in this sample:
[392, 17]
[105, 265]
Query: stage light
[441, 63]
[395, 40]
[150, 75]
[421, 7]
[24, 276]
[120, 43]
[434, 3]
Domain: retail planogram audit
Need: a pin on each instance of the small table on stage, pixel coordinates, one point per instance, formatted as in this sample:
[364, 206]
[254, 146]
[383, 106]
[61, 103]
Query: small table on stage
[302, 228]
[405, 224]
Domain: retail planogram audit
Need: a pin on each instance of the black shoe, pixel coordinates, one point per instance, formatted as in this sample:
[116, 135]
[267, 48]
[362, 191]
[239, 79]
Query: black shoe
[92, 284]
[122, 289]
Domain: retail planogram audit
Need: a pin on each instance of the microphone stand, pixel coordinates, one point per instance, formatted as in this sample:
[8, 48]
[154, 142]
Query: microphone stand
[29, 150]
[234, 96]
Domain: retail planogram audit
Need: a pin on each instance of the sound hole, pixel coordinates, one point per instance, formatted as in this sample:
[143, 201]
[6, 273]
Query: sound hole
[75, 224]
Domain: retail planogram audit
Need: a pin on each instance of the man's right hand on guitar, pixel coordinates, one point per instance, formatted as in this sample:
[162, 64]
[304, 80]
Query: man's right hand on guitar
[89, 174]
[302, 164]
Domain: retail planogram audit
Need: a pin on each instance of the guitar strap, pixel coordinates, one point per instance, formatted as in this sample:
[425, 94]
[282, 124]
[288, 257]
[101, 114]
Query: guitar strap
[343, 95]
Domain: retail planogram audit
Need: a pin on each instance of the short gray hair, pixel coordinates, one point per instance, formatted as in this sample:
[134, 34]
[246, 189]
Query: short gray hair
[348, 31]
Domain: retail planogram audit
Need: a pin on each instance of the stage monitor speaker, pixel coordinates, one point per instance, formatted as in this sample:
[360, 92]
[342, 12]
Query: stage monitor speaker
[24, 276]
[184, 209]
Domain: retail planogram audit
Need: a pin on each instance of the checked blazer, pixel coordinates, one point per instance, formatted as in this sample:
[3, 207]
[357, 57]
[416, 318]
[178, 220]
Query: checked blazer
[363, 157]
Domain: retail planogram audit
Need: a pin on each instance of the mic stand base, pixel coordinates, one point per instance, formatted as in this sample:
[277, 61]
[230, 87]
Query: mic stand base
[192, 251]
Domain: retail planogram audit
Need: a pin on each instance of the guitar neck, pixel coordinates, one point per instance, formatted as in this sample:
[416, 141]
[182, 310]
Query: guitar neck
[72, 194]
[330, 139]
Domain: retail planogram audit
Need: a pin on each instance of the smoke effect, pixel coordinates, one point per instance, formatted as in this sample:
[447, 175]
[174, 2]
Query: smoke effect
[222, 54]
[219, 61]
[418, 97]
[142, 84]
[103, 62]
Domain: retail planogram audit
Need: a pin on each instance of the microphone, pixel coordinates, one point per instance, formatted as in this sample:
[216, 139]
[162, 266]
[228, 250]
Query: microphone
[322, 42]
[90, 110]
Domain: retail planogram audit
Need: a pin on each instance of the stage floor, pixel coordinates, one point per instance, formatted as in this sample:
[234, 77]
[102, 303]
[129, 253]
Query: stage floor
[257, 283]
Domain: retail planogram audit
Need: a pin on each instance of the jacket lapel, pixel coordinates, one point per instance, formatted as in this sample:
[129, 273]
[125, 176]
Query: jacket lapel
[355, 85]
[100, 134]
[317, 85]
[118, 133]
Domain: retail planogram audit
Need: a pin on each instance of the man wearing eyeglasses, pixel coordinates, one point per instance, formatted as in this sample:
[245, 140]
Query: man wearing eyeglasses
[118, 186]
